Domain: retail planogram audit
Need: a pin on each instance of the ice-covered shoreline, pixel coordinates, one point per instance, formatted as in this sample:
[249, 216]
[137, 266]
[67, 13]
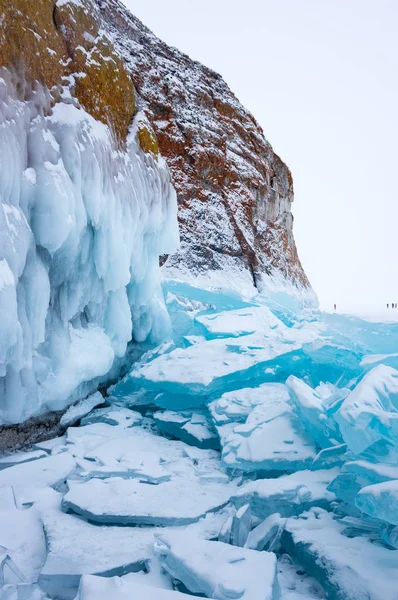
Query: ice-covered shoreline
[254, 456]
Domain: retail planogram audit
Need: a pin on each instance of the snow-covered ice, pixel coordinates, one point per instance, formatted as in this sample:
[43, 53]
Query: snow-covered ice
[239, 322]
[123, 588]
[241, 525]
[22, 541]
[218, 570]
[370, 412]
[80, 409]
[260, 432]
[193, 427]
[76, 548]
[267, 534]
[310, 406]
[130, 501]
[349, 568]
[380, 501]
[288, 494]
[48, 471]
[20, 457]
[253, 456]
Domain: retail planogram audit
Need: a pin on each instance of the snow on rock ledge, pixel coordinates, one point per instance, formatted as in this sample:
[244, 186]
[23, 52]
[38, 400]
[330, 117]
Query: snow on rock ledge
[82, 225]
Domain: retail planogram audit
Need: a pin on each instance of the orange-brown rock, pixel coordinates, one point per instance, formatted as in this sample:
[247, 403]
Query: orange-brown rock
[58, 43]
[234, 192]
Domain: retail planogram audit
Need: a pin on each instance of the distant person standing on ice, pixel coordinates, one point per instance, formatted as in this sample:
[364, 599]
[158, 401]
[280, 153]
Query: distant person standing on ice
[335, 306]
[388, 305]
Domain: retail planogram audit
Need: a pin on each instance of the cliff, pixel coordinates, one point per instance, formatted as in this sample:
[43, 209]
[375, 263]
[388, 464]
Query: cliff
[97, 118]
[234, 193]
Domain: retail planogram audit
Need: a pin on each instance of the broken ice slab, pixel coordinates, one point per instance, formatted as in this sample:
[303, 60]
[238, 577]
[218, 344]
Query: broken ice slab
[77, 548]
[357, 474]
[48, 471]
[243, 321]
[347, 568]
[113, 415]
[266, 536]
[260, 432]
[310, 407]
[380, 501]
[184, 499]
[23, 591]
[218, 299]
[145, 466]
[370, 336]
[236, 406]
[112, 441]
[343, 359]
[370, 361]
[335, 456]
[80, 409]
[50, 446]
[218, 570]
[389, 534]
[20, 457]
[192, 427]
[22, 540]
[225, 531]
[288, 495]
[122, 453]
[277, 445]
[109, 451]
[241, 525]
[42, 498]
[81, 440]
[370, 411]
[230, 362]
[123, 588]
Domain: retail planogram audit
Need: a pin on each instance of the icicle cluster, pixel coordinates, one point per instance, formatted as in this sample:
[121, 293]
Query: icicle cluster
[82, 225]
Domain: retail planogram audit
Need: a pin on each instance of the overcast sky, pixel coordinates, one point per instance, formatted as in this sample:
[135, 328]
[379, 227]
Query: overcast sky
[320, 76]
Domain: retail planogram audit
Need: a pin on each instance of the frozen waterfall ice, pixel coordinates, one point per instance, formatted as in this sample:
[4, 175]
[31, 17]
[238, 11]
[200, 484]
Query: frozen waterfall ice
[82, 225]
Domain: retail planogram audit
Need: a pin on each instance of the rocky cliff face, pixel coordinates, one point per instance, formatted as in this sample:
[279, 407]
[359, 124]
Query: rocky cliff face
[234, 193]
[96, 115]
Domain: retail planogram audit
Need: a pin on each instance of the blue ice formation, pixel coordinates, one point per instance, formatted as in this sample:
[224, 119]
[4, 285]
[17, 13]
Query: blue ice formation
[191, 426]
[267, 535]
[82, 225]
[369, 413]
[248, 420]
[380, 500]
[266, 428]
[306, 413]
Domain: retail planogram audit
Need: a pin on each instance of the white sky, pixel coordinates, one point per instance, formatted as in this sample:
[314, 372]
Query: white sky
[320, 76]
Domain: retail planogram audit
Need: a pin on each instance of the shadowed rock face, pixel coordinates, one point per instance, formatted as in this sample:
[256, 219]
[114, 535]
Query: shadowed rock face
[234, 192]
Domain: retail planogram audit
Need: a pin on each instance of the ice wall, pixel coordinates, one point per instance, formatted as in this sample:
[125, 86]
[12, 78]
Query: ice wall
[82, 224]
